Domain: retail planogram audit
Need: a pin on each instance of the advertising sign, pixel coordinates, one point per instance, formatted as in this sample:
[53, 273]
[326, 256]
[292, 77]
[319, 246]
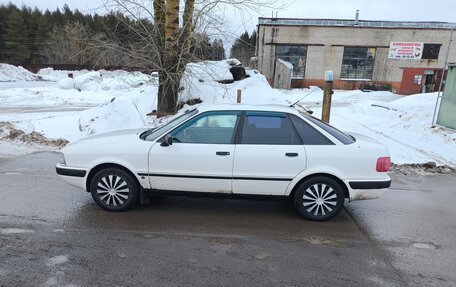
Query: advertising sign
[405, 50]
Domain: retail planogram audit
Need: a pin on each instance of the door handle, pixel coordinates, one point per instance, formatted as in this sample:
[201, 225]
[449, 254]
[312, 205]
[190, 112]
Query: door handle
[222, 153]
[292, 154]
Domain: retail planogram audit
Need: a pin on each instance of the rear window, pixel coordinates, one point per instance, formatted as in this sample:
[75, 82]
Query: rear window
[341, 136]
[267, 128]
[309, 134]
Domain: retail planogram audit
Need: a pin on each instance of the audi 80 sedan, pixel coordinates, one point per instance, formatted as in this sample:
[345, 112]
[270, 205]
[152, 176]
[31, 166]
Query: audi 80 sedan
[233, 150]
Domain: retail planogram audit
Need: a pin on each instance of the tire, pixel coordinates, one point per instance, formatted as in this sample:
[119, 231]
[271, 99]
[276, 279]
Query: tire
[319, 198]
[114, 189]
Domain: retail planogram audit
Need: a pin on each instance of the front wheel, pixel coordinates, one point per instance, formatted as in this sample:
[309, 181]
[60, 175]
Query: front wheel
[319, 198]
[114, 189]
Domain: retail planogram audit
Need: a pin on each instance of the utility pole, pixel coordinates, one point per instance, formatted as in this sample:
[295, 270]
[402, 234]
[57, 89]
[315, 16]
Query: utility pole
[327, 95]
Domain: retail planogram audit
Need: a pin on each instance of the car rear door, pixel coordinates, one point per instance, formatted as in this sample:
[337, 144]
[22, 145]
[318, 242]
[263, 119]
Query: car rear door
[270, 154]
[200, 158]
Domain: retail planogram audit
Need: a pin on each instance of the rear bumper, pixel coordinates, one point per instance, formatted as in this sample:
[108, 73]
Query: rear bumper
[361, 190]
[370, 184]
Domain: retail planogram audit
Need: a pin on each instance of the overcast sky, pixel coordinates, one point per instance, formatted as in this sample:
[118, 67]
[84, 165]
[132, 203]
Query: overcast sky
[401, 10]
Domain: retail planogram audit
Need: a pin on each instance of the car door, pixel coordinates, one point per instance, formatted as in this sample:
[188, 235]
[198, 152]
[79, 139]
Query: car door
[269, 155]
[200, 158]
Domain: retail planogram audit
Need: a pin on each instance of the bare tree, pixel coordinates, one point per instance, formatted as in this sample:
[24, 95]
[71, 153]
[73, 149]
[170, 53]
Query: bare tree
[167, 44]
[67, 44]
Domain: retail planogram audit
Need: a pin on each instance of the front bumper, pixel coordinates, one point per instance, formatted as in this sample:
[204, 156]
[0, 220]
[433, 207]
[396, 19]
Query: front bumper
[70, 171]
[73, 176]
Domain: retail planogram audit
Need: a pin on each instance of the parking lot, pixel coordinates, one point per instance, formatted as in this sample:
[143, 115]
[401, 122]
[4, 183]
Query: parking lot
[52, 234]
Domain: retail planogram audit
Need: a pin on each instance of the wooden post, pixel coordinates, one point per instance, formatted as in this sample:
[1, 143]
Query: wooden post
[327, 95]
[238, 100]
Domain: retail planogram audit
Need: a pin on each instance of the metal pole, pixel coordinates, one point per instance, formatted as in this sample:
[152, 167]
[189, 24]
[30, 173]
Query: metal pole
[445, 65]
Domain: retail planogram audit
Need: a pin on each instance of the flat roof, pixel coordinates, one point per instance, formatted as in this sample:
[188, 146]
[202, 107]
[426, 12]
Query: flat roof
[352, 23]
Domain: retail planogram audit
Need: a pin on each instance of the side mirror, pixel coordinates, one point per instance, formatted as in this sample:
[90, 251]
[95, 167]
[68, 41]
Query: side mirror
[167, 141]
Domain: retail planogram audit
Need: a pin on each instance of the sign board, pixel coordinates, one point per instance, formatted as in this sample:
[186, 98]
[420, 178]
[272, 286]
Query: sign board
[329, 76]
[405, 50]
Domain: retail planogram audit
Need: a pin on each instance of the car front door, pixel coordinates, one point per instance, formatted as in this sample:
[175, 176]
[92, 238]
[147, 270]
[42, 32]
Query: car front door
[269, 156]
[200, 158]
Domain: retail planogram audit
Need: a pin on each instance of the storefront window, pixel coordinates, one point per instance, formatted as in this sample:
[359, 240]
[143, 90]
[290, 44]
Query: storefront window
[358, 63]
[294, 54]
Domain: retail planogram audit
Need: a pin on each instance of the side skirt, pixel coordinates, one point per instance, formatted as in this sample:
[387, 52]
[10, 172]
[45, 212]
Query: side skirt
[160, 192]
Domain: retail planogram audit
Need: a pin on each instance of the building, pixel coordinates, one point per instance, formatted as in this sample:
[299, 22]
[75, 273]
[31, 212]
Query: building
[406, 57]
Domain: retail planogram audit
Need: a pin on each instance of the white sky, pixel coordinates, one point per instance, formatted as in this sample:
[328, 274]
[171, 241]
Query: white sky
[400, 10]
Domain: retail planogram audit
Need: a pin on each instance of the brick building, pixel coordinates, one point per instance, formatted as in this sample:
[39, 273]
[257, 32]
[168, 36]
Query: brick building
[407, 57]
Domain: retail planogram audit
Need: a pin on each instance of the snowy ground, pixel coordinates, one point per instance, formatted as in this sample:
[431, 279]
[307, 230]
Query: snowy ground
[96, 102]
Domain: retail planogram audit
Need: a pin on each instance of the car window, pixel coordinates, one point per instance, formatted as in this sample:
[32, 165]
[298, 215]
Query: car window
[341, 136]
[209, 128]
[309, 135]
[269, 128]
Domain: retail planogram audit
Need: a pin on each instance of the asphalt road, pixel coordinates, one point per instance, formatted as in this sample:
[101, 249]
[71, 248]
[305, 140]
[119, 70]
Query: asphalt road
[54, 235]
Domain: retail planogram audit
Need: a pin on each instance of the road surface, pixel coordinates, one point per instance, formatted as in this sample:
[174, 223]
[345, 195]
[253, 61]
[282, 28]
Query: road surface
[52, 234]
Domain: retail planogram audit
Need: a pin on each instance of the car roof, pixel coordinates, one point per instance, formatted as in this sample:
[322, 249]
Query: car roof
[244, 107]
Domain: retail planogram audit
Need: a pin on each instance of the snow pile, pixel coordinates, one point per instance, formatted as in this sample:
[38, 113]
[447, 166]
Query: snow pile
[49, 74]
[201, 81]
[211, 71]
[404, 125]
[66, 83]
[117, 80]
[10, 73]
[97, 80]
[120, 113]
[88, 82]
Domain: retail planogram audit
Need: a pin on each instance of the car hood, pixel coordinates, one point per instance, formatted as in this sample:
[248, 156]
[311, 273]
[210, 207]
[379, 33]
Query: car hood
[113, 137]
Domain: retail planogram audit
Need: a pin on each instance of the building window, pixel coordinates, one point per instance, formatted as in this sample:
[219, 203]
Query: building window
[294, 54]
[358, 63]
[431, 51]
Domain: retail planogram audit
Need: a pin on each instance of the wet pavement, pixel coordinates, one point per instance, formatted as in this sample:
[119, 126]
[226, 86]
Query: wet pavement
[52, 234]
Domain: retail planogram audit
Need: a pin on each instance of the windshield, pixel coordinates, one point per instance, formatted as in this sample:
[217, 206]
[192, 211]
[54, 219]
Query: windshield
[154, 133]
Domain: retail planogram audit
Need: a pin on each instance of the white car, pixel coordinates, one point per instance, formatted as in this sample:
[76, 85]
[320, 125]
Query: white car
[231, 150]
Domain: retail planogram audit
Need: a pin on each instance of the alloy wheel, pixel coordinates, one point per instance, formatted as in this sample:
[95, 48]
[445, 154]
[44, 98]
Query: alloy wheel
[319, 199]
[113, 190]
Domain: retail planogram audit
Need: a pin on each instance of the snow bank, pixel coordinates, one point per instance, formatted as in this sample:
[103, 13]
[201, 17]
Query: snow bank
[211, 71]
[402, 123]
[121, 112]
[10, 73]
[201, 81]
[88, 82]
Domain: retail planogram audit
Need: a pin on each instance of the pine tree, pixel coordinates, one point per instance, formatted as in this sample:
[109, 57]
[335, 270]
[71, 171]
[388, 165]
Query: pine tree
[242, 48]
[16, 34]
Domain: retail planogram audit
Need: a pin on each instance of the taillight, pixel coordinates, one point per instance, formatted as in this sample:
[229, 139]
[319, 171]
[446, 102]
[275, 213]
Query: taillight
[383, 164]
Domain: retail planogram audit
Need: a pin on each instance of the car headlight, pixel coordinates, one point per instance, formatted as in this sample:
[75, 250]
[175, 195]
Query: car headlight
[62, 159]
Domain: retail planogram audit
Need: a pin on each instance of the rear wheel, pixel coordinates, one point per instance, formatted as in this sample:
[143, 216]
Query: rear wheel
[114, 189]
[319, 198]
